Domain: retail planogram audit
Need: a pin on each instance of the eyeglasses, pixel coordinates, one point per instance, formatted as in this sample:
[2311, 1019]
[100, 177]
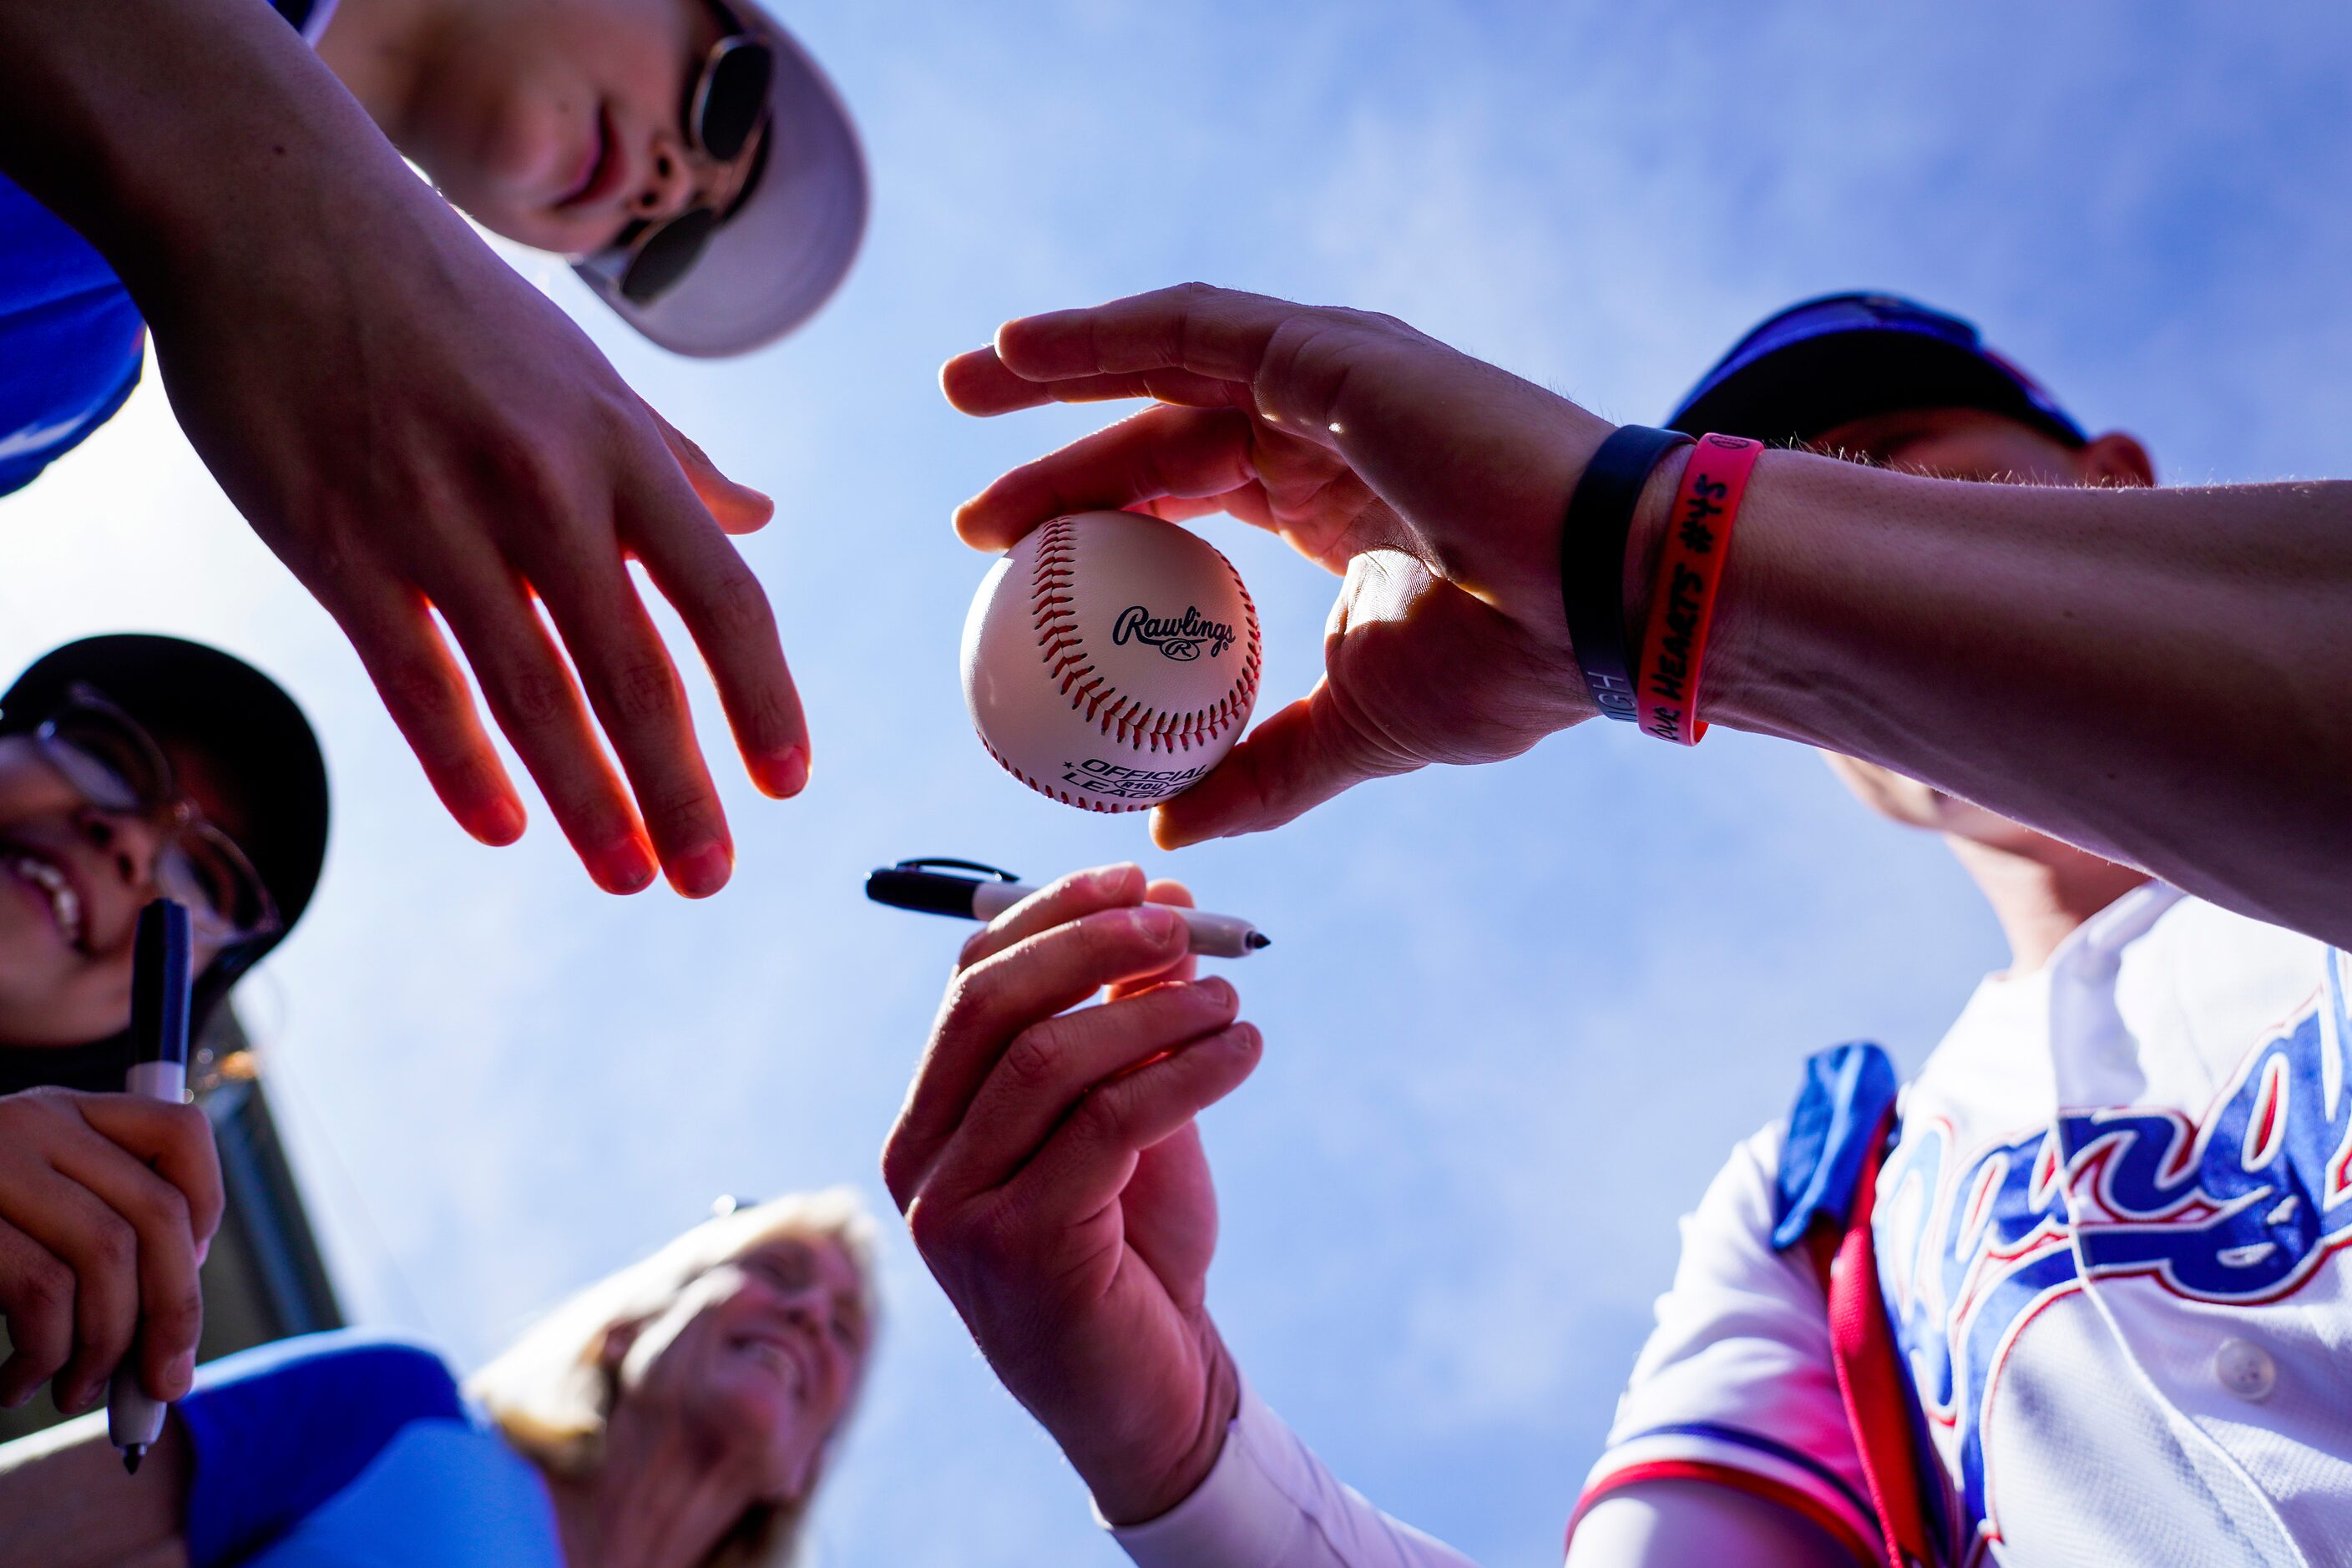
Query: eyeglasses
[112, 763]
[726, 105]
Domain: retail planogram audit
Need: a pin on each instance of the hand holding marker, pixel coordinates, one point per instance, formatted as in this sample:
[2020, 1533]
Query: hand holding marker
[160, 980]
[911, 885]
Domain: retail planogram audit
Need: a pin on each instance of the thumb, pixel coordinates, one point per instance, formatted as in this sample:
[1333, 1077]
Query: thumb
[737, 509]
[1291, 764]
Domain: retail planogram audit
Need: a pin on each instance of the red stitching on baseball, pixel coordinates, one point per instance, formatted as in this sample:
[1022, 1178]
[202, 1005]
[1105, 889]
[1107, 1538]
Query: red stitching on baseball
[1060, 645]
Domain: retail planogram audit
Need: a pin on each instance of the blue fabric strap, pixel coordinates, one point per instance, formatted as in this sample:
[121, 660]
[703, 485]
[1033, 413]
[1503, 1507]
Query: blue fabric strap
[278, 1430]
[1848, 1089]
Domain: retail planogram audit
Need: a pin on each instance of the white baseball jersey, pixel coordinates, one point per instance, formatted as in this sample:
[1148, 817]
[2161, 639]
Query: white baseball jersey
[2111, 1236]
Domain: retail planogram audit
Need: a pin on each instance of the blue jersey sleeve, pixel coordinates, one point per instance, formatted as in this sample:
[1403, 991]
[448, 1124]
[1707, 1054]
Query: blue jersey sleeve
[278, 1430]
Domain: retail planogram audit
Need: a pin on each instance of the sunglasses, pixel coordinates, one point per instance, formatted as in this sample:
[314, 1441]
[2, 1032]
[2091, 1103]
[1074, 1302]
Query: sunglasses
[726, 105]
[113, 763]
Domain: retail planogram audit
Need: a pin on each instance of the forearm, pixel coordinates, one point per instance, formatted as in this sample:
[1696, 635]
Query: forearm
[2164, 677]
[170, 132]
[64, 1499]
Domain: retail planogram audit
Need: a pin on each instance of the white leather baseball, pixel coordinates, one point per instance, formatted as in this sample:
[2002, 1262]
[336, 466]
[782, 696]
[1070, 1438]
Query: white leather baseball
[1110, 659]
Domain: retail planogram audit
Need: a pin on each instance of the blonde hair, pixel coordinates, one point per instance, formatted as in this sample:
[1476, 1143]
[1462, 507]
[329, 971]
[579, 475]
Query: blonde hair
[550, 1393]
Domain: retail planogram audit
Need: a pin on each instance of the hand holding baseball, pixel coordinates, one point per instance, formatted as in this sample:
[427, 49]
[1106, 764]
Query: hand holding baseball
[1432, 482]
[1051, 1174]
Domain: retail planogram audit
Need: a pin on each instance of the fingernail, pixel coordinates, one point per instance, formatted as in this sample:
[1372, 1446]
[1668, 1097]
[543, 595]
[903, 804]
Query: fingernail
[1220, 987]
[83, 1398]
[785, 774]
[1105, 878]
[627, 866]
[701, 872]
[204, 1250]
[182, 1370]
[503, 822]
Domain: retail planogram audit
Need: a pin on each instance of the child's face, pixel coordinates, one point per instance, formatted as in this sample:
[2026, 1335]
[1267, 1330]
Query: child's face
[72, 881]
[558, 122]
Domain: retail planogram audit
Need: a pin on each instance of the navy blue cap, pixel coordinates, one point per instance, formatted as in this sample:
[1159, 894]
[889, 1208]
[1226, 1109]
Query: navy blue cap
[1815, 366]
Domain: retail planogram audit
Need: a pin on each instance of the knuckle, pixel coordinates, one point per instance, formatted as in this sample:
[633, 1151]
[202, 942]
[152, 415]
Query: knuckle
[534, 697]
[896, 1176]
[112, 1246]
[1034, 1060]
[968, 997]
[932, 1227]
[180, 1317]
[528, 482]
[166, 1210]
[642, 691]
[415, 685]
[736, 608]
[44, 1286]
[678, 815]
[1104, 1118]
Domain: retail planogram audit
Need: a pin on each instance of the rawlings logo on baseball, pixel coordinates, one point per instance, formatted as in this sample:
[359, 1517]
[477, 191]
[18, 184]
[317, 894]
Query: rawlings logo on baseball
[1082, 679]
[1180, 639]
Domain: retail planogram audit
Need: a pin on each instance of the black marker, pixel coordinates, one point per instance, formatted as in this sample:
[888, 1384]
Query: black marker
[160, 979]
[913, 885]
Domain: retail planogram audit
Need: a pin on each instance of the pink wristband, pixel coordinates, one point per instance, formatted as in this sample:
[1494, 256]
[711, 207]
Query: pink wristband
[1682, 597]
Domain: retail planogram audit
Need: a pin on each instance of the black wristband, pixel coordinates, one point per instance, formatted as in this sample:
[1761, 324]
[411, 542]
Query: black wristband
[1593, 558]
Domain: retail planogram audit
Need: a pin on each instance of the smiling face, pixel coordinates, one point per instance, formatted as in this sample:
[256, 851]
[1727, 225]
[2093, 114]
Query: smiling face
[754, 1364]
[72, 880]
[558, 122]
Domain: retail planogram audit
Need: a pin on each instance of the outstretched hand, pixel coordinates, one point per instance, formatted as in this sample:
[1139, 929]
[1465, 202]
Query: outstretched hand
[413, 429]
[1051, 1174]
[1432, 483]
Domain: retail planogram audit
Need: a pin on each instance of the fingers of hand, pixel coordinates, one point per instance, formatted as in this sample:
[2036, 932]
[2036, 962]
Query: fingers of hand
[99, 1248]
[1056, 903]
[1088, 1161]
[36, 1296]
[127, 1194]
[175, 1142]
[1292, 762]
[1162, 451]
[1405, 648]
[392, 631]
[1216, 332]
[726, 613]
[637, 698]
[738, 508]
[979, 383]
[1176, 894]
[1055, 1063]
[534, 700]
[994, 999]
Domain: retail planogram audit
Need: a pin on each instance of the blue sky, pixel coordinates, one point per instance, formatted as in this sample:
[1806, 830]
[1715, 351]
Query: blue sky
[1515, 1017]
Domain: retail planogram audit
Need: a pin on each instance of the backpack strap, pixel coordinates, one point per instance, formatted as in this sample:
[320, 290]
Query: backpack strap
[1839, 1130]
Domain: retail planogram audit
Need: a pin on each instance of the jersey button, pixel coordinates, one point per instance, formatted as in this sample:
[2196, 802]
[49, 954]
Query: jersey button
[2245, 1369]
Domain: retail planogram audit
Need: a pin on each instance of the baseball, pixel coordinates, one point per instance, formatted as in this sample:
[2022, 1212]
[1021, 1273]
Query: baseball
[1110, 659]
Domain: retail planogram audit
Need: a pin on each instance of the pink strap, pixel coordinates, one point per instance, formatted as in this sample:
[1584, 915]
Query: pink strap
[1871, 1378]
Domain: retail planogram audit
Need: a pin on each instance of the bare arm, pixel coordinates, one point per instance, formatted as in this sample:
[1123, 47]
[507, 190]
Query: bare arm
[65, 1502]
[2160, 676]
[2163, 677]
[409, 426]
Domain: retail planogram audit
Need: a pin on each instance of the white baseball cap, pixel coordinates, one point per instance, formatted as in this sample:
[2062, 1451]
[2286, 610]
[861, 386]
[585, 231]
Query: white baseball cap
[790, 238]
